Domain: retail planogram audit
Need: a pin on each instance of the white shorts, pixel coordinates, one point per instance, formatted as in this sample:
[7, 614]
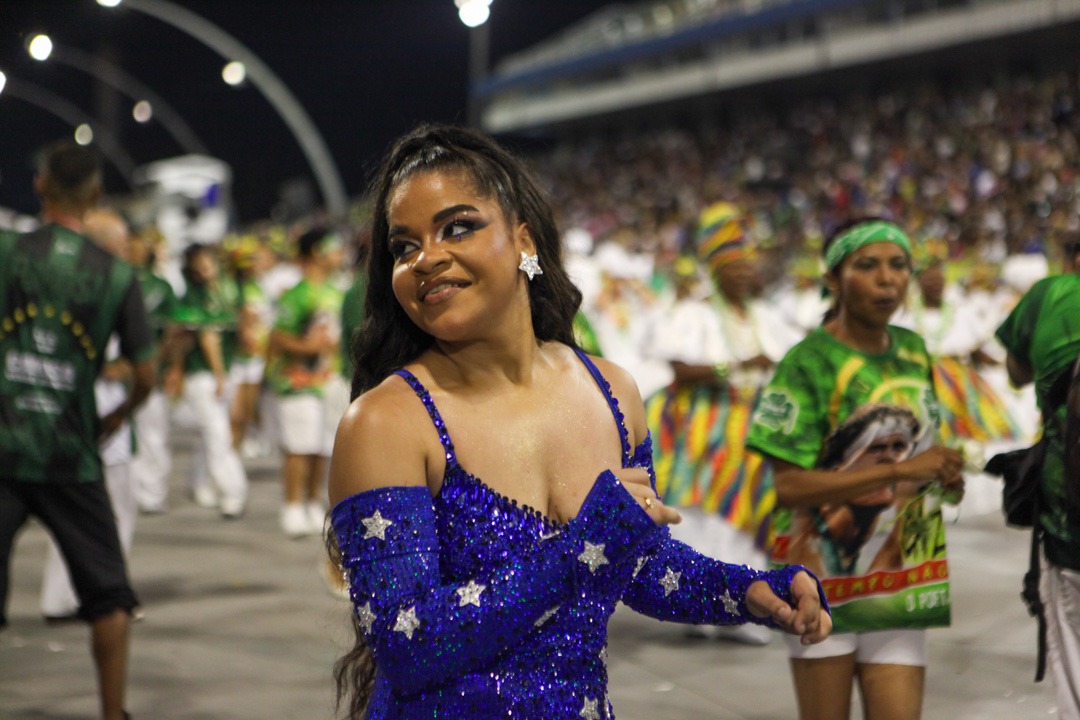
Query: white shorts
[247, 371]
[304, 426]
[882, 647]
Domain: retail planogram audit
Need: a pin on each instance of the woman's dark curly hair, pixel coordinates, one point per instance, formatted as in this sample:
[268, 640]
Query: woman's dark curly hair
[388, 339]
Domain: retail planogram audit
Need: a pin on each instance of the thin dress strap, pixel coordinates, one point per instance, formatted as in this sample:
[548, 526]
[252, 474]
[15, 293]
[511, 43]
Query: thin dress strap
[605, 388]
[433, 412]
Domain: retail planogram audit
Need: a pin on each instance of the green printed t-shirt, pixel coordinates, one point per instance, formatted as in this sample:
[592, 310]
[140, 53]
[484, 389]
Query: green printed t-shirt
[880, 557]
[160, 300]
[61, 298]
[352, 316]
[205, 307]
[1043, 332]
[304, 307]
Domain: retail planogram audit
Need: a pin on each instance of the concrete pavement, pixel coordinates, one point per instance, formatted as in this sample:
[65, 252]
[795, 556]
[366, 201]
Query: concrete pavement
[239, 625]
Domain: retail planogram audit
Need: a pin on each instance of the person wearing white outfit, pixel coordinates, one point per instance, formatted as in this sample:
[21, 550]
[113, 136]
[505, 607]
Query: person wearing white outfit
[207, 317]
[58, 599]
[152, 461]
[305, 359]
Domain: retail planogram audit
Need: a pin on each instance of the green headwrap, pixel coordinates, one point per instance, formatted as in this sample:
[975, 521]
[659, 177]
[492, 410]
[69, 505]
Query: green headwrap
[862, 235]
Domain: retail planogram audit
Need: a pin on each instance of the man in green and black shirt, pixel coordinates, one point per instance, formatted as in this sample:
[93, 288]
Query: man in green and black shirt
[61, 297]
[1042, 335]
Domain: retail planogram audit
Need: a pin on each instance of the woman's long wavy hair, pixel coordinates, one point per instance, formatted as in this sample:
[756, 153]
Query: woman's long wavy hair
[388, 339]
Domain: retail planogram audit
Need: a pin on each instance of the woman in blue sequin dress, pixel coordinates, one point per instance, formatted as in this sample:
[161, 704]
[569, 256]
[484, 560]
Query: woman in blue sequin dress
[483, 598]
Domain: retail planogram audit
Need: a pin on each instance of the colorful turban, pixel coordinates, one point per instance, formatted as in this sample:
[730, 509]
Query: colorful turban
[721, 236]
[862, 235]
[930, 252]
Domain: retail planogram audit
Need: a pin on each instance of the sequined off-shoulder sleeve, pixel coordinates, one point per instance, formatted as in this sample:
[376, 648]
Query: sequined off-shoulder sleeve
[424, 632]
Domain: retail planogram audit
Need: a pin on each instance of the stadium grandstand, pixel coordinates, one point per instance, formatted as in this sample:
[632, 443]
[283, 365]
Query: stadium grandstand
[646, 55]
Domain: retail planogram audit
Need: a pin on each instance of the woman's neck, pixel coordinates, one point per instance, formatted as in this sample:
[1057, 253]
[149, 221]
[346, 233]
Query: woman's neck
[509, 357]
[932, 303]
[738, 304]
[868, 338]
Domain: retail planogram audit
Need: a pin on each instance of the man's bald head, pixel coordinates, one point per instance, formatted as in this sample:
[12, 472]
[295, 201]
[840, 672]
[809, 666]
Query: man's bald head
[108, 230]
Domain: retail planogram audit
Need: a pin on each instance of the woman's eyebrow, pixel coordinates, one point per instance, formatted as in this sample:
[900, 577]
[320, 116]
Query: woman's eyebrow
[453, 210]
[437, 217]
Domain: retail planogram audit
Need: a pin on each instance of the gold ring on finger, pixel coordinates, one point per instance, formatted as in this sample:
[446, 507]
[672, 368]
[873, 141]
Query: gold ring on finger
[648, 503]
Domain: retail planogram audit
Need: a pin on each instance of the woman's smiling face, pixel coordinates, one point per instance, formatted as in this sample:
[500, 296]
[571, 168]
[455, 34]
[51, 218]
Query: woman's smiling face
[455, 254]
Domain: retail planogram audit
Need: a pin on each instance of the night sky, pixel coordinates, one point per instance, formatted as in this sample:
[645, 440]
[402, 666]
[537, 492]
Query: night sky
[365, 71]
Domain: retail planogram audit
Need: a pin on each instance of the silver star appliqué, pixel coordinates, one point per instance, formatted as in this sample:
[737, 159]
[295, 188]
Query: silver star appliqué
[588, 711]
[470, 594]
[365, 616]
[640, 564]
[547, 616]
[406, 622]
[375, 526]
[593, 556]
[731, 606]
[530, 265]
[670, 581]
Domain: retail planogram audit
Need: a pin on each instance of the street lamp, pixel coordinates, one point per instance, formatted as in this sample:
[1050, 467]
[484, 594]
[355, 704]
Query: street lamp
[84, 135]
[234, 73]
[473, 13]
[143, 111]
[40, 48]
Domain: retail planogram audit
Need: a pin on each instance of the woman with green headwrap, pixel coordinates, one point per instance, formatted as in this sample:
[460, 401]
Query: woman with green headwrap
[852, 367]
[721, 349]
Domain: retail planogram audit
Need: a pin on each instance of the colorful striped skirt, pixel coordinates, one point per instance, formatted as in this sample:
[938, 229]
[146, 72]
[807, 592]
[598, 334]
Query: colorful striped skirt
[699, 435]
[970, 409]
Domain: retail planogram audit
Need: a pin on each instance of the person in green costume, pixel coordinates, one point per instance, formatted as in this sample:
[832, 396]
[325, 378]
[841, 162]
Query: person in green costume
[206, 316]
[849, 423]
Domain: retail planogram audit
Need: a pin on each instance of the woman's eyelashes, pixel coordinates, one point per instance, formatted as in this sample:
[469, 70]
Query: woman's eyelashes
[459, 227]
[401, 246]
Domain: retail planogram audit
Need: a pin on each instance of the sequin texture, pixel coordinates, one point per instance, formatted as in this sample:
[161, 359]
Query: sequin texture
[479, 607]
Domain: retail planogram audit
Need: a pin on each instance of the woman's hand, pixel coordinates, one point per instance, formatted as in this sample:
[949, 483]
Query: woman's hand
[637, 483]
[807, 618]
[939, 463]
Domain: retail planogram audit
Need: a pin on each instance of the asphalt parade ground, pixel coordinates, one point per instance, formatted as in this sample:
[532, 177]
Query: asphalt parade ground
[238, 624]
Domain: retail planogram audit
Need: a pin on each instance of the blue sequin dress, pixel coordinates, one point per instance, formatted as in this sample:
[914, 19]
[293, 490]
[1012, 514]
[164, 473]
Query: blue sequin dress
[477, 607]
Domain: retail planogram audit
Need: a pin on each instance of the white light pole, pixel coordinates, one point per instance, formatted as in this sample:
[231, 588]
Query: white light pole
[268, 83]
[475, 13]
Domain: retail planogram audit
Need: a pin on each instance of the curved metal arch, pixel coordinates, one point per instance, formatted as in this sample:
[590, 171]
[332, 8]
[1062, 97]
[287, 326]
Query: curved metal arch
[70, 113]
[268, 83]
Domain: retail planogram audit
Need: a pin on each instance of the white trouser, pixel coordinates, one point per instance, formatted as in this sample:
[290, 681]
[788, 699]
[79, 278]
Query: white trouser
[1061, 593]
[715, 537]
[216, 464]
[153, 458]
[57, 593]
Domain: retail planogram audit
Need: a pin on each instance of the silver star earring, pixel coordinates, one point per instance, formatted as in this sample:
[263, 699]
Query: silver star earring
[530, 265]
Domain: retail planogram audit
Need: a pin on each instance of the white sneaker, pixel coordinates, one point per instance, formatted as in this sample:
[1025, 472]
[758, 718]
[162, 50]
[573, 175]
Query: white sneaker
[316, 514]
[205, 497]
[232, 508]
[294, 520]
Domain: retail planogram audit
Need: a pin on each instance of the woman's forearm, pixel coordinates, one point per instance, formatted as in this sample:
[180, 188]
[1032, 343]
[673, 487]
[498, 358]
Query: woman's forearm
[798, 487]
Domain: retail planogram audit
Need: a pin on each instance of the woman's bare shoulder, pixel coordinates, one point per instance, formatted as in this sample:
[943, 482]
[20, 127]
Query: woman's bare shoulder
[380, 442]
[625, 390]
